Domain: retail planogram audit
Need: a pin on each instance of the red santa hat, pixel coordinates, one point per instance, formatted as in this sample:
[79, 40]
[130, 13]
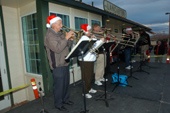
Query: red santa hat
[85, 28]
[128, 29]
[52, 19]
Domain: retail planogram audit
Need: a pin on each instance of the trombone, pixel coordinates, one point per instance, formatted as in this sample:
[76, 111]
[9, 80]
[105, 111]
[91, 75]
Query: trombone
[125, 42]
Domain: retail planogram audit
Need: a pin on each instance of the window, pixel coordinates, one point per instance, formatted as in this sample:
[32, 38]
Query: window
[31, 43]
[65, 19]
[78, 22]
[95, 21]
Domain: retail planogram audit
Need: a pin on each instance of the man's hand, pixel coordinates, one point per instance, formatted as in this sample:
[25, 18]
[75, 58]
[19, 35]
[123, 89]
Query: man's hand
[70, 35]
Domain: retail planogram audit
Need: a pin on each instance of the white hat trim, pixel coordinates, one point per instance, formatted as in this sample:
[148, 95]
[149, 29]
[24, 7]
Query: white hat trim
[88, 28]
[53, 21]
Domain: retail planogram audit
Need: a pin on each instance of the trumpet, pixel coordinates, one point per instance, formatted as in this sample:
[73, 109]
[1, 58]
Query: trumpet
[77, 34]
[64, 28]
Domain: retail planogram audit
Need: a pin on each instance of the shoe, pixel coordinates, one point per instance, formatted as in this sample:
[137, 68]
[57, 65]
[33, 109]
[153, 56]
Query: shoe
[69, 103]
[103, 79]
[133, 61]
[92, 91]
[98, 83]
[128, 67]
[87, 95]
[62, 108]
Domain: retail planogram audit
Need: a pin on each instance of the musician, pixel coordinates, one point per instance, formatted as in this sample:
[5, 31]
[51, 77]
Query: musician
[100, 66]
[57, 46]
[130, 36]
[145, 43]
[159, 51]
[87, 65]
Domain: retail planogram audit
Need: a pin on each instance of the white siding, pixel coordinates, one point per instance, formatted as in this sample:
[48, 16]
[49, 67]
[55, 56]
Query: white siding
[14, 48]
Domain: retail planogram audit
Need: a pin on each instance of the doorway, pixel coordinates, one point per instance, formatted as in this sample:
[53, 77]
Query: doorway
[4, 99]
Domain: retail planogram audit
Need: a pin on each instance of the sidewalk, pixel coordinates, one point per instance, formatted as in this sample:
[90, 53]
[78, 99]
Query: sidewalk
[149, 94]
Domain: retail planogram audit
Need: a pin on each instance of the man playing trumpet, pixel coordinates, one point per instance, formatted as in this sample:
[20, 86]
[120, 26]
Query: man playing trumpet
[57, 44]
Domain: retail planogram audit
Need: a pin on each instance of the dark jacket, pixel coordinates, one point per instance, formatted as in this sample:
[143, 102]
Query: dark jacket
[161, 50]
[144, 39]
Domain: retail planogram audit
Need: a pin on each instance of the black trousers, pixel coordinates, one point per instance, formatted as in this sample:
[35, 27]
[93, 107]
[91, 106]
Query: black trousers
[87, 72]
[61, 77]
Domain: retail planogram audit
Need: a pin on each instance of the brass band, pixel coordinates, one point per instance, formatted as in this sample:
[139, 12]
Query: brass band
[103, 34]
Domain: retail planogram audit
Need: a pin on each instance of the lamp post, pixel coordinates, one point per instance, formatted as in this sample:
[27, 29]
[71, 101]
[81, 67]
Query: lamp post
[168, 54]
[168, 13]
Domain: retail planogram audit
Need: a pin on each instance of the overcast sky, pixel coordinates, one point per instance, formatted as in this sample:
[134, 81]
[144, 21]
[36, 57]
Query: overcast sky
[150, 13]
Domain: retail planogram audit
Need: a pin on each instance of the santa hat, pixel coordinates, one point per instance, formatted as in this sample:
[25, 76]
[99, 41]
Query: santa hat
[128, 29]
[85, 28]
[52, 19]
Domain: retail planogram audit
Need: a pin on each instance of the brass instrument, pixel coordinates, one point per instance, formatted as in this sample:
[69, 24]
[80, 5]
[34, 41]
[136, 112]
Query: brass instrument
[69, 29]
[98, 35]
[77, 34]
[129, 42]
[101, 34]
[125, 42]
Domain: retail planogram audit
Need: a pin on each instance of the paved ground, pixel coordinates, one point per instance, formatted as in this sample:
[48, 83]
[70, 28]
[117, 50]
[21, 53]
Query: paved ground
[150, 93]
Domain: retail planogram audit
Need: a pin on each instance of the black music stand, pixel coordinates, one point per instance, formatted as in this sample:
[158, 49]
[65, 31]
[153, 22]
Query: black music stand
[118, 83]
[79, 50]
[141, 64]
[104, 48]
[131, 69]
[41, 93]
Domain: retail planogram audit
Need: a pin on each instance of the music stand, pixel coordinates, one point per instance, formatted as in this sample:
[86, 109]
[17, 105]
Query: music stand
[42, 100]
[79, 49]
[104, 49]
[141, 64]
[118, 83]
[131, 69]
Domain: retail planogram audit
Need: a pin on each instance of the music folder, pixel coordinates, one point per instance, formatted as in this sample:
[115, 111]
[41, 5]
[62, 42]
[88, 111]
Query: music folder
[81, 46]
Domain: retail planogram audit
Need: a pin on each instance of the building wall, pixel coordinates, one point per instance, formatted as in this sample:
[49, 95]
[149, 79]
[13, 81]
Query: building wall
[72, 12]
[12, 21]
[23, 11]
[19, 77]
[14, 49]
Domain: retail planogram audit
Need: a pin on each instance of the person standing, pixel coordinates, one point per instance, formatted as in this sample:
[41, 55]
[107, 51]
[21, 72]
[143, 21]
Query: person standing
[100, 66]
[87, 65]
[57, 44]
[145, 43]
[159, 51]
[128, 49]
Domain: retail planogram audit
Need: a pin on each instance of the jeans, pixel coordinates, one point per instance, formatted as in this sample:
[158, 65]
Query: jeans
[127, 52]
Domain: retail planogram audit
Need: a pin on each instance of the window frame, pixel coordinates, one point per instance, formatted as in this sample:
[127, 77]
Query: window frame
[61, 14]
[96, 20]
[23, 48]
[79, 17]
